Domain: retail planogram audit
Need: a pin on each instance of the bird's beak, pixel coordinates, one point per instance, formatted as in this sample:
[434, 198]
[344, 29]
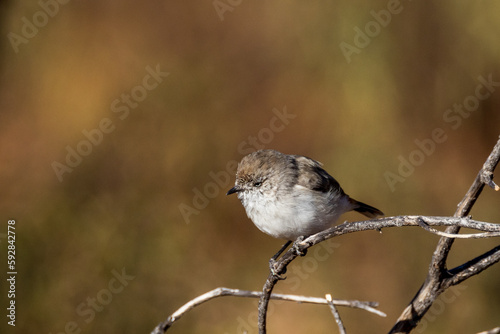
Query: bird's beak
[233, 190]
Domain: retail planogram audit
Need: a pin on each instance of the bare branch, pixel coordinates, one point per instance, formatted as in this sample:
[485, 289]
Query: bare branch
[301, 245]
[426, 227]
[398, 221]
[472, 267]
[271, 281]
[432, 286]
[364, 305]
[336, 314]
[221, 292]
[492, 331]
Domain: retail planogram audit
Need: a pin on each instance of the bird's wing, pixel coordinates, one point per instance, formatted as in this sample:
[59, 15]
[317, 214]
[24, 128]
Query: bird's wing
[312, 176]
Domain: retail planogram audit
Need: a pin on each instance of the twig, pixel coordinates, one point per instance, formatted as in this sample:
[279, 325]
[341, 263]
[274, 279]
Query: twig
[396, 221]
[426, 227]
[471, 268]
[438, 273]
[491, 331]
[336, 314]
[221, 292]
[271, 281]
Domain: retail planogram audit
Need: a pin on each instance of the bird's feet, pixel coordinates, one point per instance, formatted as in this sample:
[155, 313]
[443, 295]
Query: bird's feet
[273, 263]
[273, 267]
[296, 246]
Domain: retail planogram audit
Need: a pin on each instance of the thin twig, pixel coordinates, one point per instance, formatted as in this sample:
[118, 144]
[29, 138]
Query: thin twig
[426, 227]
[336, 314]
[221, 292]
[492, 331]
[398, 221]
[271, 281]
[471, 268]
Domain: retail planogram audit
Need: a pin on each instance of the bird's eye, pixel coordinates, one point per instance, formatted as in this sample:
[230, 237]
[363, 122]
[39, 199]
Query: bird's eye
[257, 184]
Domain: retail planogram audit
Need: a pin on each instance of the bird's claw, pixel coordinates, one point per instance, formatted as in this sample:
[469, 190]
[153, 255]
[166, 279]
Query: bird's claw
[274, 271]
[296, 247]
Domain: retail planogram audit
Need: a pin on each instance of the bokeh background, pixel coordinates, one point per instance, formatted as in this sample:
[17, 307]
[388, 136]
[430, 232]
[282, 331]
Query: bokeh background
[132, 204]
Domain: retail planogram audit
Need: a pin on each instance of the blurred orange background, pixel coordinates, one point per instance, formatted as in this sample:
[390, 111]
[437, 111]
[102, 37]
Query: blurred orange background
[122, 120]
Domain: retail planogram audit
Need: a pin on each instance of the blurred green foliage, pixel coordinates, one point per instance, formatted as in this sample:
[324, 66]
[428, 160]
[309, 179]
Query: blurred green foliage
[120, 206]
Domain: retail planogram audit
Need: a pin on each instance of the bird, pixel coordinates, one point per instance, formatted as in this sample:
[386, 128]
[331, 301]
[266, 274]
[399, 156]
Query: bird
[291, 196]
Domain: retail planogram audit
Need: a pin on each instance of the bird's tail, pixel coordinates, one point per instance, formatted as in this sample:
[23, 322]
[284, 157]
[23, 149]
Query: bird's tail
[365, 209]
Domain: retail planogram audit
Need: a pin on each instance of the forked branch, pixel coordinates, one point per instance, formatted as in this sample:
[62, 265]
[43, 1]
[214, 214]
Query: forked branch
[438, 277]
[221, 292]
[300, 246]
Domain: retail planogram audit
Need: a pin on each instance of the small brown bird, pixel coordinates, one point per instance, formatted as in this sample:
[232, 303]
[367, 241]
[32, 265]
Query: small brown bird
[287, 196]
